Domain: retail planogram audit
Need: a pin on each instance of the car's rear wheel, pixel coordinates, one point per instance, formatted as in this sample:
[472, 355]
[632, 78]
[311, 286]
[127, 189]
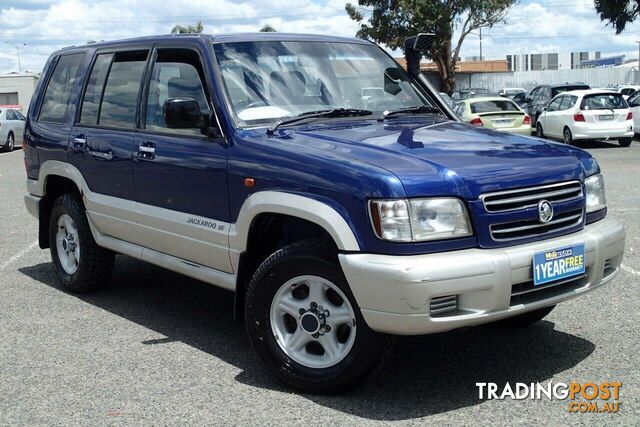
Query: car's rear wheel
[80, 264]
[567, 136]
[625, 142]
[525, 319]
[11, 142]
[305, 325]
[539, 131]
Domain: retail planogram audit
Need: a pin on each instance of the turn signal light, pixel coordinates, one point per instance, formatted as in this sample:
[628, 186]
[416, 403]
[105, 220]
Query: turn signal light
[579, 117]
[527, 119]
[476, 122]
[629, 115]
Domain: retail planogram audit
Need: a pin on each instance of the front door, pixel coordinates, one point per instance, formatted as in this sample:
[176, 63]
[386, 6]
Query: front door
[180, 174]
[101, 142]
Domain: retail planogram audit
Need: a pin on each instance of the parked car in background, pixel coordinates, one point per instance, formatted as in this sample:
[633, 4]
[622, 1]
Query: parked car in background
[634, 106]
[446, 99]
[626, 90]
[519, 98]
[496, 113]
[540, 97]
[511, 91]
[587, 114]
[461, 94]
[11, 128]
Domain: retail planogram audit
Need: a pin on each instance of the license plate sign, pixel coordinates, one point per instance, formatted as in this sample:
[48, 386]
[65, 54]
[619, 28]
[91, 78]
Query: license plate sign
[501, 123]
[606, 117]
[557, 264]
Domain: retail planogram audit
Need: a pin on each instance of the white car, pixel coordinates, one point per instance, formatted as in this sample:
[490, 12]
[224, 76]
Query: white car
[587, 114]
[626, 90]
[11, 128]
[634, 105]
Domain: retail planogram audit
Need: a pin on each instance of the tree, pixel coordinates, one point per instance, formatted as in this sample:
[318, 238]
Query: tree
[618, 13]
[392, 21]
[267, 28]
[189, 29]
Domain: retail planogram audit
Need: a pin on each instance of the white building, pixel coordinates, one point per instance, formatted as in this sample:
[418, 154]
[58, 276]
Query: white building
[16, 90]
[549, 61]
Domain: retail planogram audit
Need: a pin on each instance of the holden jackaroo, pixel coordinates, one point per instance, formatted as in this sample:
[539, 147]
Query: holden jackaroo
[332, 190]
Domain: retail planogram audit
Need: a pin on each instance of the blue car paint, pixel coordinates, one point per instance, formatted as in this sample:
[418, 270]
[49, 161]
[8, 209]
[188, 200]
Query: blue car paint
[343, 163]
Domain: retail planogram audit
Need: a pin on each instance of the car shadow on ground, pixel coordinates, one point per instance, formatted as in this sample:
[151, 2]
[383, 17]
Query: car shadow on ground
[426, 375]
[599, 144]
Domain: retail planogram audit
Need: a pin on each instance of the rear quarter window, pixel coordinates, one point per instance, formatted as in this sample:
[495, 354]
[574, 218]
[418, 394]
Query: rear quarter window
[493, 106]
[56, 96]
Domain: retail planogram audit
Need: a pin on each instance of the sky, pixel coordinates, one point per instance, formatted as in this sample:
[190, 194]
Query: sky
[38, 27]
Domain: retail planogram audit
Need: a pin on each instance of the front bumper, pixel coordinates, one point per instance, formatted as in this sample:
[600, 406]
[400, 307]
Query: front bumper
[394, 292]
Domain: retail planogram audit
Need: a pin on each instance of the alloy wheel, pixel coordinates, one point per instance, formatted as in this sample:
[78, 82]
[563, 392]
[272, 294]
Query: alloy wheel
[68, 244]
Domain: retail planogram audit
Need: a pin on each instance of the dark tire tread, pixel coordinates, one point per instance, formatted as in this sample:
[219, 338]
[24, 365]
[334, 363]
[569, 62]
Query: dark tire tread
[96, 263]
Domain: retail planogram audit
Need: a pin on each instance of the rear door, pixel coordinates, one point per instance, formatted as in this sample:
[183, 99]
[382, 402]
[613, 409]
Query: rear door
[102, 139]
[605, 110]
[181, 174]
[20, 121]
[550, 117]
[634, 104]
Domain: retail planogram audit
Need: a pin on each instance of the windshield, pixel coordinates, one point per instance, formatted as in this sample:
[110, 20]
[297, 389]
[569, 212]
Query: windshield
[493, 106]
[270, 80]
[603, 101]
[562, 89]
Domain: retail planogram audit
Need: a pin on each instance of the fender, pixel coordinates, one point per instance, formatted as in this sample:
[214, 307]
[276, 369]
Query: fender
[293, 205]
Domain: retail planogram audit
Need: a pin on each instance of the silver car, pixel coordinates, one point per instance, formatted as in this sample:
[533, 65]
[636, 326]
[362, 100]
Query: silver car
[11, 128]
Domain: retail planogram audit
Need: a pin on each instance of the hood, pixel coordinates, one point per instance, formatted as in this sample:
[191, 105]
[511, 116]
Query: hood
[446, 157]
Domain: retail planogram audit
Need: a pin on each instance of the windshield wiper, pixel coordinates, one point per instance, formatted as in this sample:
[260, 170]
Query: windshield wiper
[421, 109]
[335, 112]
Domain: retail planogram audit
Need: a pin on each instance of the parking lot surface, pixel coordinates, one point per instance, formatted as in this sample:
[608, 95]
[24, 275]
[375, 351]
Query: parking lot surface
[160, 348]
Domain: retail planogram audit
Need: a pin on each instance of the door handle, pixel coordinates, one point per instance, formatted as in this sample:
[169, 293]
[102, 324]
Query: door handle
[147, 151]
[100, 155]
[79, 143]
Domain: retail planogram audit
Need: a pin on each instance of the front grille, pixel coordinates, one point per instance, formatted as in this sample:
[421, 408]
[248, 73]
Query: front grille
[526, 292]
[441, 306]
[534, 228]
[510, 200]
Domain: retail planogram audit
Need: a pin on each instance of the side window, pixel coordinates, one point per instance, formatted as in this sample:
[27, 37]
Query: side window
[570, 101]
[19, 115]
[177, 73]
[57, 94]
[555, 104]
[120, 96]
[93, 92]
[10, 115]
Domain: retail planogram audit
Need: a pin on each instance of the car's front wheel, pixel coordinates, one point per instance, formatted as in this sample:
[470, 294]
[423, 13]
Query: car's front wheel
[305, 325]
[80, 264]
[10, 144]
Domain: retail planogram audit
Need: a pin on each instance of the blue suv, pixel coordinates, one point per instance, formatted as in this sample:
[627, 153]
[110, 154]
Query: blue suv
[334, 192]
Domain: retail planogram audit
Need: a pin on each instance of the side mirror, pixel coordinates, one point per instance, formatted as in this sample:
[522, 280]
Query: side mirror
[184, 113]
[392, 80]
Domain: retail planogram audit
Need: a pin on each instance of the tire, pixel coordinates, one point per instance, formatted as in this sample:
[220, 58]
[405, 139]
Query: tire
[307, 267]
[539, 130]
[10, 145]
[537, 117]
[625, 142]
[80, 264]
[526, 319]
[567, 136]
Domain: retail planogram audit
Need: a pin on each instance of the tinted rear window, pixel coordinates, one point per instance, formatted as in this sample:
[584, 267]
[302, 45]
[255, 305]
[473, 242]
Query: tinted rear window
[603, 101]
[493, 106]
[561, 89]
[56, 96]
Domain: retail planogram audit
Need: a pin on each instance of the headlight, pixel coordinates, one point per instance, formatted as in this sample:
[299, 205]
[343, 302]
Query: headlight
[419, 220]
[594, 188]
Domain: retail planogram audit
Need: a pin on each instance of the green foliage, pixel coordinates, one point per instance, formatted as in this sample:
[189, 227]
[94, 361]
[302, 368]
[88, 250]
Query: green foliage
[390, 22]
[618, 13]
[267, 28]
[189, 29]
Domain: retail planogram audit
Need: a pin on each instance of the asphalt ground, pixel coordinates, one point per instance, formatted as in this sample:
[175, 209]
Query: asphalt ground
[158, 348]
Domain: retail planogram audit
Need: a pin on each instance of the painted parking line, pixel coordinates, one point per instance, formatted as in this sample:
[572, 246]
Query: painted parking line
[18, 255]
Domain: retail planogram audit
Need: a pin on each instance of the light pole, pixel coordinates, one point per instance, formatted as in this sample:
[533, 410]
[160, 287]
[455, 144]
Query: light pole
[17, 46]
